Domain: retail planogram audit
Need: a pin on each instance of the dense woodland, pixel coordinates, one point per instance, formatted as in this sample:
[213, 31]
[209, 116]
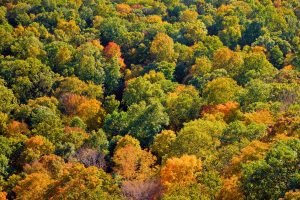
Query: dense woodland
[149, 99]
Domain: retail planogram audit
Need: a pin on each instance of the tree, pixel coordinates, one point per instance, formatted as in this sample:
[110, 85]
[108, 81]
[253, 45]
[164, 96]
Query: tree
[181, 171]
[27, 46]
[162, 48]
[230, 189]
[162, 143]
[113, 76]
[183, 105]
[277, 57]
[231, 31]
[28, 78]
[51, 178]
[34, 186]
[140, 190]
[256, 91]
[67, 30]
[272, 176]
[221, 90]
[89, 110]
[75, 86]
[60, 55]
[166, 68]
[256, 66]
[232, 62]
[47, 123]
[131, 162]
[202, 66]
[36, 147]
[7, 99]
[141, 89]
[144, 121]
[113, 50]
[200, 138]
[88, 59]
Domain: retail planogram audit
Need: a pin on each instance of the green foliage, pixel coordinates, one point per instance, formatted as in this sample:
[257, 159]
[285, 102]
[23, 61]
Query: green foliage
[273, 176]
[28, 78]
[141, 89]
[7, 99]
[103, 84]
[199, 137]
[221, 90]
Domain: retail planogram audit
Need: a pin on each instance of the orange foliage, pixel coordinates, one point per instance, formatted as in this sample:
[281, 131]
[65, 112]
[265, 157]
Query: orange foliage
[50, 164]
[35, 141]
[292, 195]
[35, 147]
[33, 187]
[230, 189]
[71, 102]
[131, 162]
[261, 116]
[85, 108]
[88, 108]
[14, 128]
[127, 140]
[97, 44]
[227, 109]
[181, 170]
[123, 8]
[3, 195]
[254, 151]
[288, 68]
[113, 50]
[259, 49]
[224, 9]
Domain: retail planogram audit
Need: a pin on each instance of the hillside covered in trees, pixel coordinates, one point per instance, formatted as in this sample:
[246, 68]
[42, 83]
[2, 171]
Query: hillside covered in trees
[149, 99]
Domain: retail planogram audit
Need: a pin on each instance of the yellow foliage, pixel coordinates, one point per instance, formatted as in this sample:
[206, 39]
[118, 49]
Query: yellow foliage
[133, 163]
[254, 151]
[291, 195]
[288, 68]
[153, 19]
[181, 170]
[123, 8]
[261, 116]
[188, 16]
[33, 187]
[230, 190]
[69, 27]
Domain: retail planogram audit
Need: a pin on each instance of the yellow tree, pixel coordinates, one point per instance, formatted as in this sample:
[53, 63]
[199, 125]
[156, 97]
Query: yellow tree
[35, 147]
[162, 142]
[131, 162]
[182, 171]
[34, 186]
[162, 48]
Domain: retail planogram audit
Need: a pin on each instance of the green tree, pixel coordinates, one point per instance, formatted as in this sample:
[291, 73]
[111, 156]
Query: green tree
[7, 99]
[28, 78]
[221, 90]
[199, 137]
[183, 105]
[141, 89]
[273, 176]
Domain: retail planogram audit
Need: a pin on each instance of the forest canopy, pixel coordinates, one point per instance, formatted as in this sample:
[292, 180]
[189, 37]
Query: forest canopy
[149, 99]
